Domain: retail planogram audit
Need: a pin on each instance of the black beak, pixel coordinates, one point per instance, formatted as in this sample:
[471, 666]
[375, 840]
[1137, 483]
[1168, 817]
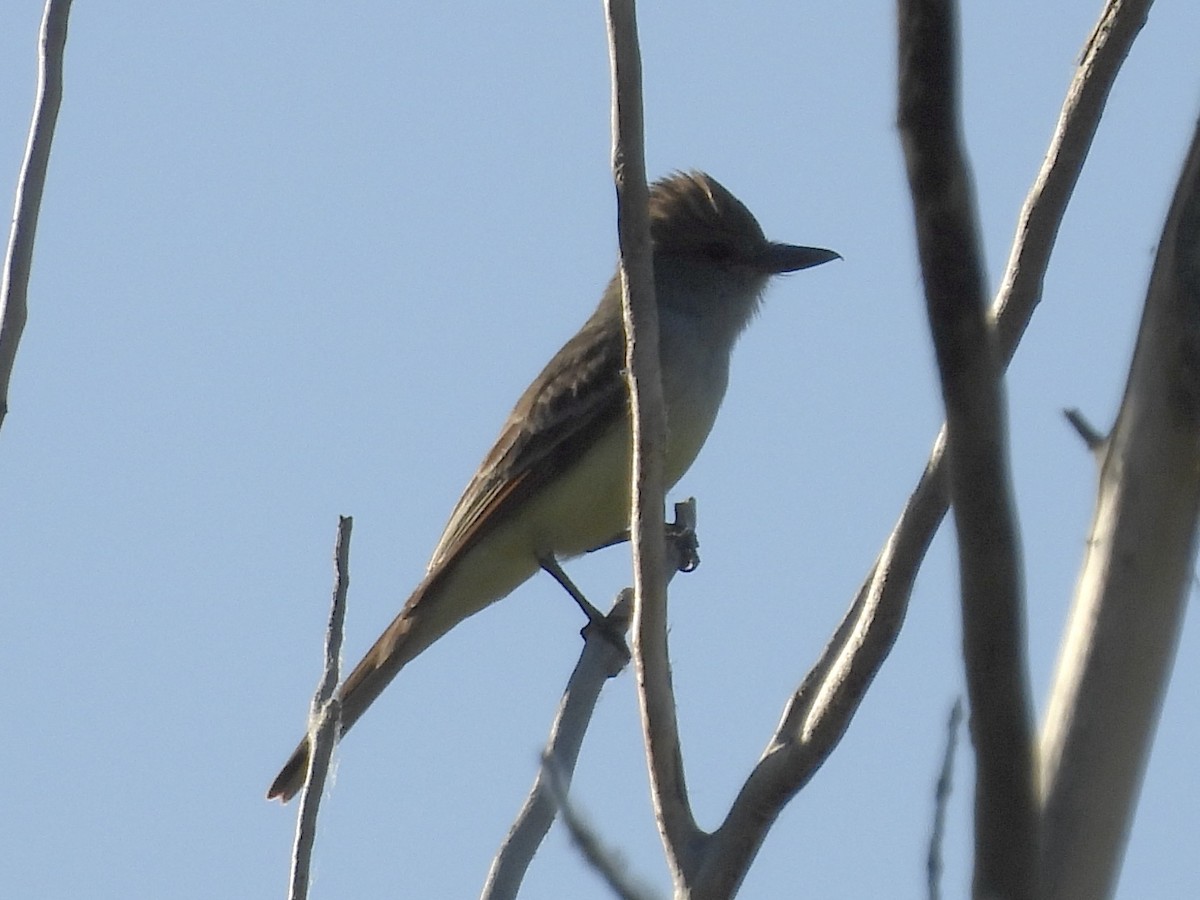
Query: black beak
[776, 259]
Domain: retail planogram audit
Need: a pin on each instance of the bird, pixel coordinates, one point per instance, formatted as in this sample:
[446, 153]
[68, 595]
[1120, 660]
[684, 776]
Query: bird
[556, 482]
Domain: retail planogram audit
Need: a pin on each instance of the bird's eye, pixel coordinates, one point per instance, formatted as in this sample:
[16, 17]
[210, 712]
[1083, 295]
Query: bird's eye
[717, 251]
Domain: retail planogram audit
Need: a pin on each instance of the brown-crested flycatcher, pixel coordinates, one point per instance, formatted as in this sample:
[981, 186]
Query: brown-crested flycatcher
[556, 483]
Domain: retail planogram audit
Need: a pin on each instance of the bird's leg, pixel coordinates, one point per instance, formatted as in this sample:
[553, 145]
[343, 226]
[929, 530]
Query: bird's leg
[613, 629]
[550, 565]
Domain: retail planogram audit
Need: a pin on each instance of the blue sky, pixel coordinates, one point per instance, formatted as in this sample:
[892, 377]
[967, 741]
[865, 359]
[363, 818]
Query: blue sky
[298, 260]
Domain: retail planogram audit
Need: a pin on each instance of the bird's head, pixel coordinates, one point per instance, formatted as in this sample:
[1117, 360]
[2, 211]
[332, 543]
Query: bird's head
[709, 247]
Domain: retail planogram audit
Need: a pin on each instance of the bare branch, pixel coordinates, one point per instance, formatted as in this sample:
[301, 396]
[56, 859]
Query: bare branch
[819, 712]
[604, 860]
[1006, 812]
[600, 660]
[1037, 229]
[674, 816]
[18, 261]
[1128, 609]
[822, 706]
[324, 722]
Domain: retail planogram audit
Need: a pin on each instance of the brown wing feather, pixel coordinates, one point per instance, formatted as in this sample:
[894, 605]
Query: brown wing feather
[575, 397]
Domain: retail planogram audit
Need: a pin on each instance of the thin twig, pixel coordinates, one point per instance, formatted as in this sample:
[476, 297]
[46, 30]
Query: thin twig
[18, 261]
[605, 861]
[941, 800]
[324, 720]
[1091, 438]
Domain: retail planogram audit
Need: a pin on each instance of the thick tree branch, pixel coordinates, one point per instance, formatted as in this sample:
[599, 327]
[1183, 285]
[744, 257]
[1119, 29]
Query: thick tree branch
[1128, 609]
[1006, 812]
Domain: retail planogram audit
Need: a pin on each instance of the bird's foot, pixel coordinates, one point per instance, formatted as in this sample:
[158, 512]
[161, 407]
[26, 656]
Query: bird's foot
[680, 535]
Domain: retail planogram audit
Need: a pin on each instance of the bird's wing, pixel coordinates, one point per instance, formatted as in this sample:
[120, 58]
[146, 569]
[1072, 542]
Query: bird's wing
[576, 398]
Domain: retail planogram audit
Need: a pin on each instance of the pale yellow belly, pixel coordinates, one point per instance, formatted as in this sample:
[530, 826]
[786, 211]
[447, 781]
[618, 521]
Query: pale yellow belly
[581, 509]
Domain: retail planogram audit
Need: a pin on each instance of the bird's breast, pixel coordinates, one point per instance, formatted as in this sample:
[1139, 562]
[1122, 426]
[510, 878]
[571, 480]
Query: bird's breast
[694, 378]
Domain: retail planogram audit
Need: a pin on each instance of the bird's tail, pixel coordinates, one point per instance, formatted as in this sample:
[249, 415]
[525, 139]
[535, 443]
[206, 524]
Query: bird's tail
[413, 630]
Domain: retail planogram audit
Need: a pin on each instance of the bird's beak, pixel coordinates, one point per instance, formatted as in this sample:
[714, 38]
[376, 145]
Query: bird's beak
[779, 258]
